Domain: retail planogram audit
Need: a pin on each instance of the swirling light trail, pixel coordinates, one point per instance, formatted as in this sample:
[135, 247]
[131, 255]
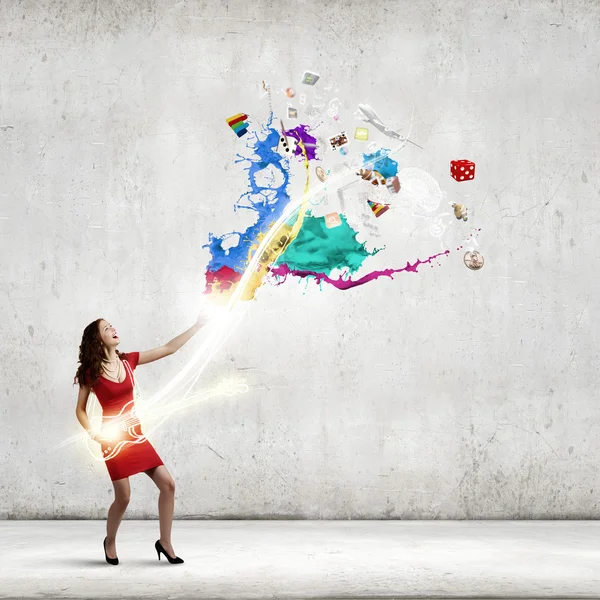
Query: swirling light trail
[217, 337]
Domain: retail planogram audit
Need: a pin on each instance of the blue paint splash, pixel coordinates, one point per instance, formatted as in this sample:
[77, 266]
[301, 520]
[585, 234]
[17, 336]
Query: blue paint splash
[382, 163]
[268, 202]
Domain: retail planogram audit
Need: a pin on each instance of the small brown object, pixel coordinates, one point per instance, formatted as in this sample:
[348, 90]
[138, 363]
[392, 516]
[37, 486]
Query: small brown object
[460, 211]
[473, 260]
[374, 177]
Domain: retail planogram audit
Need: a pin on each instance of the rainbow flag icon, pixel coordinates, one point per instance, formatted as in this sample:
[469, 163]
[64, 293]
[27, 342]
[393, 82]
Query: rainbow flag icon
[378, 209]
[238, 123]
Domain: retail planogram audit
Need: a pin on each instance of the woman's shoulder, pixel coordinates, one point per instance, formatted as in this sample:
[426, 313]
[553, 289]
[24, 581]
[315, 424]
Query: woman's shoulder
[131, 357]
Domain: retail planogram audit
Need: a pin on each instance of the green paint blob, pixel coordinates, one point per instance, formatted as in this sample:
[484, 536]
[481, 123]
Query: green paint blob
[318, 248]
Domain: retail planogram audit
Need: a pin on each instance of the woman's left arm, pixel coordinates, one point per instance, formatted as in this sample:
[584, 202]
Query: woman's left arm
[148, 356]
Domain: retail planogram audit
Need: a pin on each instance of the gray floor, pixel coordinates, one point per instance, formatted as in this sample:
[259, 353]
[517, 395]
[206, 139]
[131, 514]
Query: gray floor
[305, 559]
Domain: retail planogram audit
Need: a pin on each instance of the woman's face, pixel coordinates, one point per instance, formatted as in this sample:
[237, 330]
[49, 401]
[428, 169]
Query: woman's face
[108, 334]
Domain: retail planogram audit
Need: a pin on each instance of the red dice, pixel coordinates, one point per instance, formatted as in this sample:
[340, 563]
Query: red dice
[462, 170]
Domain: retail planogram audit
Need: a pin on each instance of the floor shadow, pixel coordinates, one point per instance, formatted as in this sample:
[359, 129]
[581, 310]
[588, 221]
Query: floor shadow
[100, 562]
[83, 562]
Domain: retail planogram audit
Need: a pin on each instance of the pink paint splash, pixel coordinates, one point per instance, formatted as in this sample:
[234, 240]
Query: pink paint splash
[222, 279]
[345, 284]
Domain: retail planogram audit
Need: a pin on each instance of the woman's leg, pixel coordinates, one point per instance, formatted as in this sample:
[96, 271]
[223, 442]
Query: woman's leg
[166, 504]
[115, 514]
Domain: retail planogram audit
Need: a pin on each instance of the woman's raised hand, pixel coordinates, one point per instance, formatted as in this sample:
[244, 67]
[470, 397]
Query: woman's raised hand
[203, 316]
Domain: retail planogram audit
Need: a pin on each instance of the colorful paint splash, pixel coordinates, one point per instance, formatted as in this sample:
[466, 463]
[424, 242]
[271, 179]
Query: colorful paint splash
[269, 201]
[221, 280]
[301, 134]
[226, 266]
[345, 284]
[303, 246]
[322, 249]
[382, 163]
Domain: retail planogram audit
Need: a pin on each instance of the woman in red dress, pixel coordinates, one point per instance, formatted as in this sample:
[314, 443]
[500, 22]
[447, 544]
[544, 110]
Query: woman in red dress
[109, 373]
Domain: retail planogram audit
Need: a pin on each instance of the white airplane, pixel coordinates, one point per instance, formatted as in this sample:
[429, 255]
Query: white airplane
[369, 115]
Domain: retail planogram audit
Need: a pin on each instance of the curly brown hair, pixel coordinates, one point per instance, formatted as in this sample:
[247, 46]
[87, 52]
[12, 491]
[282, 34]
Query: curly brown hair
[91, 355]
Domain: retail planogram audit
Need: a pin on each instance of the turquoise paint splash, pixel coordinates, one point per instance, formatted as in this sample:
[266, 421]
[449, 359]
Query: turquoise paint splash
[318, 248]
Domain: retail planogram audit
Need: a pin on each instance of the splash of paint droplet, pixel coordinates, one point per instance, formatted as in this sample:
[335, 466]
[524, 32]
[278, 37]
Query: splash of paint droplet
[283, 271]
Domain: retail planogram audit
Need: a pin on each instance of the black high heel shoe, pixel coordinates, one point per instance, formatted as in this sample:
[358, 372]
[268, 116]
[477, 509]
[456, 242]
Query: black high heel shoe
[110, 561]
[160, 549]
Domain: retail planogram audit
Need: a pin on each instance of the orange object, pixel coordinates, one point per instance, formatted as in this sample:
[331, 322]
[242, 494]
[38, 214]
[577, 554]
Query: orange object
[332, 220]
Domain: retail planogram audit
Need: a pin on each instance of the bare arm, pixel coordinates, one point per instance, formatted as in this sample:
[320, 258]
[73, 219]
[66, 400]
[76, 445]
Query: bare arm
[80, 411]
[171, 346]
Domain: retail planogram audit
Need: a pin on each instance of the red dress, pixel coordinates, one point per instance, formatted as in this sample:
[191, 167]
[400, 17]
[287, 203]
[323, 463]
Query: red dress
[116, 400]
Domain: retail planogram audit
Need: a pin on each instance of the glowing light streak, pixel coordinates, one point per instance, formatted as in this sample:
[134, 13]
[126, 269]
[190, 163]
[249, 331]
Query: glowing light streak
[223, 326]
[117, 428]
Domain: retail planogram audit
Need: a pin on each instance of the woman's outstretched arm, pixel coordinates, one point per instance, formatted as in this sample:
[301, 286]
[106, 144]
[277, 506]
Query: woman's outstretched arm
[173, 345]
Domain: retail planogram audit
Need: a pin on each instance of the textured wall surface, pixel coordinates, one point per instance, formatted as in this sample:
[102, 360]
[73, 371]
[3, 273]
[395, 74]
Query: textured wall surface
[446, 394]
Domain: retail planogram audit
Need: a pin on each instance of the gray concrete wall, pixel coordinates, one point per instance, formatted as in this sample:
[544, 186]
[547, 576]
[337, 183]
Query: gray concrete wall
[446, 394]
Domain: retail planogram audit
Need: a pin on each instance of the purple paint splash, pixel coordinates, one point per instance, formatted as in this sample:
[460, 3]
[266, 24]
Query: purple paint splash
[310, 142]
[345, 284]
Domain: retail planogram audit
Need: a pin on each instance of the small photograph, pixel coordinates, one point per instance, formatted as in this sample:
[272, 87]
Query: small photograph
[332, 220]
[393, 184]
[310, 78]
[362, 134]
[292, 113]
[337, 141]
